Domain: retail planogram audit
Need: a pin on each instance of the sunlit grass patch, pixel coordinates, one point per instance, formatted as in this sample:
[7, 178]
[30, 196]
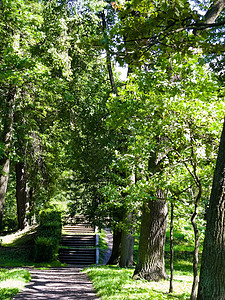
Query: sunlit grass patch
[12, 281]
[19, 237]
[116, 283]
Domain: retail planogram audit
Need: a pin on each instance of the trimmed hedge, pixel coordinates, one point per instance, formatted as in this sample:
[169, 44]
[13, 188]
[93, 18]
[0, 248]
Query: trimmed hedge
[49, 235]
[49, 215]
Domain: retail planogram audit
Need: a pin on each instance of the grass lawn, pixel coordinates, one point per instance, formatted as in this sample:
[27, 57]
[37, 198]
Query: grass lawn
[12, 281]
[114, 283]
[17, 250]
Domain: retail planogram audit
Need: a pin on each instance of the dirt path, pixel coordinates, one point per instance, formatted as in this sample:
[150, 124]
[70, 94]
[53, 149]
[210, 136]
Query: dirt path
[67, 283]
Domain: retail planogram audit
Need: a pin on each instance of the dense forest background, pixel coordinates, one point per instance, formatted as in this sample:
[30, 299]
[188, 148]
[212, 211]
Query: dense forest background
[126, 151]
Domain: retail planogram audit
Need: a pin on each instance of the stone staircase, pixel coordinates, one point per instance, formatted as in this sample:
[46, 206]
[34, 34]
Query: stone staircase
[78, 245]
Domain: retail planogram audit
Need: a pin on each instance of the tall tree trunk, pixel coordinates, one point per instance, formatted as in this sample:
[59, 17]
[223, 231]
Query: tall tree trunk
[116, 250]
[31, 208]
[196, 249]
[108, 58]
[21, 195]
[128, 235]
[127, 243]
[214, 11]
[212, 273]
[151, 265]
[4, 177]
[6, 139]
[171, 248]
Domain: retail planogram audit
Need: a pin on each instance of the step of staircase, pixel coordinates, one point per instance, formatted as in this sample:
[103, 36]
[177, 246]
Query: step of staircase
[79, 228]
[81, 256]
[79, 241]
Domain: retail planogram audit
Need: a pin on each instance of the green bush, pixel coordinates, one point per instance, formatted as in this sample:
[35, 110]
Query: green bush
[9, 224]
[49, 235]
[52, 229]
[49, 215]
[45, 249]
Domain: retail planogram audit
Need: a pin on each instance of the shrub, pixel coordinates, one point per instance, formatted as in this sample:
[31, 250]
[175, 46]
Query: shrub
[49, 235]
[52, 229]
[9, 224]
[45, 249]
[49, 215]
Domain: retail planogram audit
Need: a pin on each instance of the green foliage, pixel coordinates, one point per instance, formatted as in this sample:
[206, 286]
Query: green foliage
[2, 152]
[9, 224]
[147, 29]
[45, 249]
[49, 215]
[171, 114]
[50, 229]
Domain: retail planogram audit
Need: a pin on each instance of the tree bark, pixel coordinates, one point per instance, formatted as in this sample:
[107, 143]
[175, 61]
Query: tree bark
[127, 244]
[4, 177]
[196, 249]
[214, 11]
[21, 195]
[212, 273]
[31, 208]
[171, 248]
[151, 265]
[6, 139]
[128, 235]
[116, 250]
[108, 58]
[211, 16]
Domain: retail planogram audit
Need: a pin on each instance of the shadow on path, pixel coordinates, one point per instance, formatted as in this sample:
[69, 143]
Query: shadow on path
[58, 283]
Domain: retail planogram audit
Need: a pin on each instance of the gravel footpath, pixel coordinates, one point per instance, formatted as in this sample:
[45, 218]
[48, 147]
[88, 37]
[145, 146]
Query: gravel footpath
[58, 283]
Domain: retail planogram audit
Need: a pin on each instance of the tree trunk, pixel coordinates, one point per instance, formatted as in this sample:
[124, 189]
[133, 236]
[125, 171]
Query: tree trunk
[31, 208]
[116, 250]
[21, 195]
[108, 58]
[214, 11]
[127, 244]
[151, 265]
[128, 235]
[171, 248]
[6, 139]
[196, 250]
[4, 177]
[212, 274]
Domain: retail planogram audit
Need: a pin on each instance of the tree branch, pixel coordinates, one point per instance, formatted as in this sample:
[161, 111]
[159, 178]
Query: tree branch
[211, 16]
[214, 11]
